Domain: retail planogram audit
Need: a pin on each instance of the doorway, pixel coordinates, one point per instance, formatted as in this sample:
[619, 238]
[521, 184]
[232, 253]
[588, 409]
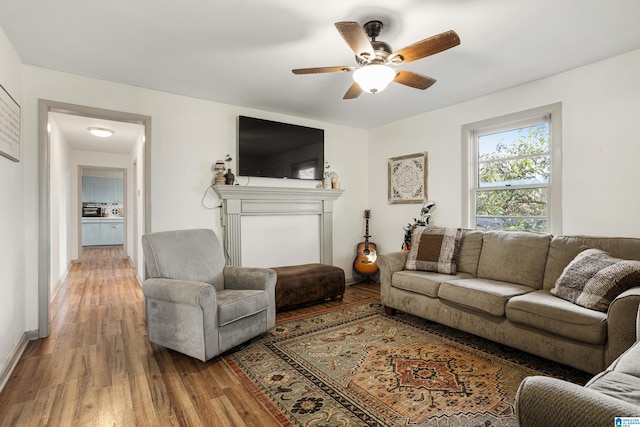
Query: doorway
[56, 230]
[103, 208]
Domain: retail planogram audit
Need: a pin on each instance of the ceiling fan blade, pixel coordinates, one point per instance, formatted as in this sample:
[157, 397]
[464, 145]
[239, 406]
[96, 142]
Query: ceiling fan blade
[415, 80]
[317, 70]
[357, 39]
[354, 91]
[426, 47]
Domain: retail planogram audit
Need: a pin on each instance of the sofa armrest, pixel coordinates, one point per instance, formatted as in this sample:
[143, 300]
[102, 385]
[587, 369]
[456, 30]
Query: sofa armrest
[388, 264]
[197, 294]
[249, 278]
[544, 401]
[621, 325]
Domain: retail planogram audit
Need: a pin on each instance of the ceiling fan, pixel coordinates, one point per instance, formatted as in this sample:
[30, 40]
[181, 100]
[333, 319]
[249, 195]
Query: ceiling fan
[376, 57]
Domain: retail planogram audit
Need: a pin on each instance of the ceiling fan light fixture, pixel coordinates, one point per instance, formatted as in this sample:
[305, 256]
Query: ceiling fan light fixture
[374, 78]
[101, 132]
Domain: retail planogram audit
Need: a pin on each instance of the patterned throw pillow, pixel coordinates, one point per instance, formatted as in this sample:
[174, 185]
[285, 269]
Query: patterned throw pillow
[434, 249]
[594, 278]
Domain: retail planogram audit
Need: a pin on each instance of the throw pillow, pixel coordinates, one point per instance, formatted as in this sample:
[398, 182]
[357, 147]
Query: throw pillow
[594, 278]
[434, 249]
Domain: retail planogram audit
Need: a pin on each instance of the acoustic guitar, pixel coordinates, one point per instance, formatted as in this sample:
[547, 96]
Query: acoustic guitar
[365, 262]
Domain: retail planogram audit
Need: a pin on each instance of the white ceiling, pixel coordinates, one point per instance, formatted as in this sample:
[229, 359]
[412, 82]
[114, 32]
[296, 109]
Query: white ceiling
[76, 133]
[242, 51]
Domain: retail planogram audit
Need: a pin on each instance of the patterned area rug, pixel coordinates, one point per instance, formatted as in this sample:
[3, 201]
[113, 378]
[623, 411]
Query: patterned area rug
[354, 366]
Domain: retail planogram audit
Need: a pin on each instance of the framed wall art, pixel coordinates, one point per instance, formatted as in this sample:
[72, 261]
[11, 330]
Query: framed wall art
[408, 178]
[9, 126]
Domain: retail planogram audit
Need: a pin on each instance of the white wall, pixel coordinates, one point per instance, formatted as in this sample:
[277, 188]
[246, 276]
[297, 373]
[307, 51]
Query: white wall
[135, 206]
[601, 148]
[188, 135]
[61, 207]
[12, 226]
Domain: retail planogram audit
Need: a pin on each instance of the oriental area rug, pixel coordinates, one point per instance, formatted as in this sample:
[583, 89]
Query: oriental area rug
[355, 366]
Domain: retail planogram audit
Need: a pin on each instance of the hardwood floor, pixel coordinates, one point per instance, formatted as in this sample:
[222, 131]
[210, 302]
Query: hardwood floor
[98, 368]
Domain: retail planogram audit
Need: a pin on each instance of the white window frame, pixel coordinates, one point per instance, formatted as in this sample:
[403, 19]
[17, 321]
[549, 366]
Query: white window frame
[503, 123]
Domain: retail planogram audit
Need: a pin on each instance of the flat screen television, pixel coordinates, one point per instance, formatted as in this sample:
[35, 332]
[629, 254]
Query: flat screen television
[279, 150]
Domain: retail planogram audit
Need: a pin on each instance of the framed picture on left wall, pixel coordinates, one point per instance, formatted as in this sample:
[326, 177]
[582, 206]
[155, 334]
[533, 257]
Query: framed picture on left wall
[408, 177]
[9, 126]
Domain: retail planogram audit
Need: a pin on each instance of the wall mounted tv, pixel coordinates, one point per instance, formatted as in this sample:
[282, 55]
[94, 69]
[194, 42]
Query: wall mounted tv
[279, 150]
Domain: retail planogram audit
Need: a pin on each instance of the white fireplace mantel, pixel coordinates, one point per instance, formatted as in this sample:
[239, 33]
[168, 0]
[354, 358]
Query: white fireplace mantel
[242, 201]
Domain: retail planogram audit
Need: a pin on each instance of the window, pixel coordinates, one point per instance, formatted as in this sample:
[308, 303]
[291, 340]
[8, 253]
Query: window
[305, 170]
[512, 166]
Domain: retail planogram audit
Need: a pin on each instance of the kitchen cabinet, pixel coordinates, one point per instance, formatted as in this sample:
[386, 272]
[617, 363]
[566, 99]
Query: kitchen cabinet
[103, 190]
[114, 190]
[99, 190]
[91, 235]
[87, 189]
[101, 232]
[112, 232]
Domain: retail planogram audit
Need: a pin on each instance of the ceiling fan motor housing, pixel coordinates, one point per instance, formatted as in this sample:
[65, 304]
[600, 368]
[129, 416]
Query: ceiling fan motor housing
[373, 28]
[381, 49]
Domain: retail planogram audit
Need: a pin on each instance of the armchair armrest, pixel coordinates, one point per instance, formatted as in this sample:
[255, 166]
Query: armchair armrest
[256, 279]
[543, 402]
[196, 294]
[249, 278]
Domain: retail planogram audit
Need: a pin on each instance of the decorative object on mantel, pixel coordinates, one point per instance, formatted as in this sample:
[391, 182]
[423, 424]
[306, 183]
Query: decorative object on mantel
[335, 182]
[329, 179]
[326, 182]
[229, 177]
[408, 178]
[423, 221]
[9, 126]
[219, 168]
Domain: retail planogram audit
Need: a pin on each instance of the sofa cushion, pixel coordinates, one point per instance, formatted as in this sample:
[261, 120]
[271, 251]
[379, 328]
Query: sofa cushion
[434, 249]
[485, 295]
[236, 304]
[627, 363]
[541, 310]
[422, 282]
[469, 254]
[563, 250]
[594, 278]
[618, 385]
[514, 256]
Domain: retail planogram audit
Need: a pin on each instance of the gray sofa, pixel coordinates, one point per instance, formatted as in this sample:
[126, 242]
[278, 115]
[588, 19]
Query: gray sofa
[501, 291]
[613, 393]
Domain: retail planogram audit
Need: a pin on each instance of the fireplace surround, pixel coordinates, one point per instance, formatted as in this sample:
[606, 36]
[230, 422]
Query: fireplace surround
[244, 206]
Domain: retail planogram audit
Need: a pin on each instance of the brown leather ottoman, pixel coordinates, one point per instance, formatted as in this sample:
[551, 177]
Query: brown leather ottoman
[302, 284]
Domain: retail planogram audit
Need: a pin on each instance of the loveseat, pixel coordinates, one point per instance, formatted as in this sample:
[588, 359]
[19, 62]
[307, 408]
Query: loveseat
[610, 395]
[500, 286]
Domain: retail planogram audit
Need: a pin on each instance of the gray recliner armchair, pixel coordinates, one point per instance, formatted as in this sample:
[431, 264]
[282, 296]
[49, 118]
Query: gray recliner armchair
[197, 305]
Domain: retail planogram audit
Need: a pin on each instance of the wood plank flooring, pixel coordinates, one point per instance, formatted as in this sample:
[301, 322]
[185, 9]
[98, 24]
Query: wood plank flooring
[97, 368]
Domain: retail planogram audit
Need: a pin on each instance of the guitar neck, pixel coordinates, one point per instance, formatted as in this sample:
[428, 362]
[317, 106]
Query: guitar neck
[366, 227]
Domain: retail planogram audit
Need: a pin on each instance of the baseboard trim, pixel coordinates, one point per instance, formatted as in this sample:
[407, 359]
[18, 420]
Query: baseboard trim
[362, 279]
[10, 363]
